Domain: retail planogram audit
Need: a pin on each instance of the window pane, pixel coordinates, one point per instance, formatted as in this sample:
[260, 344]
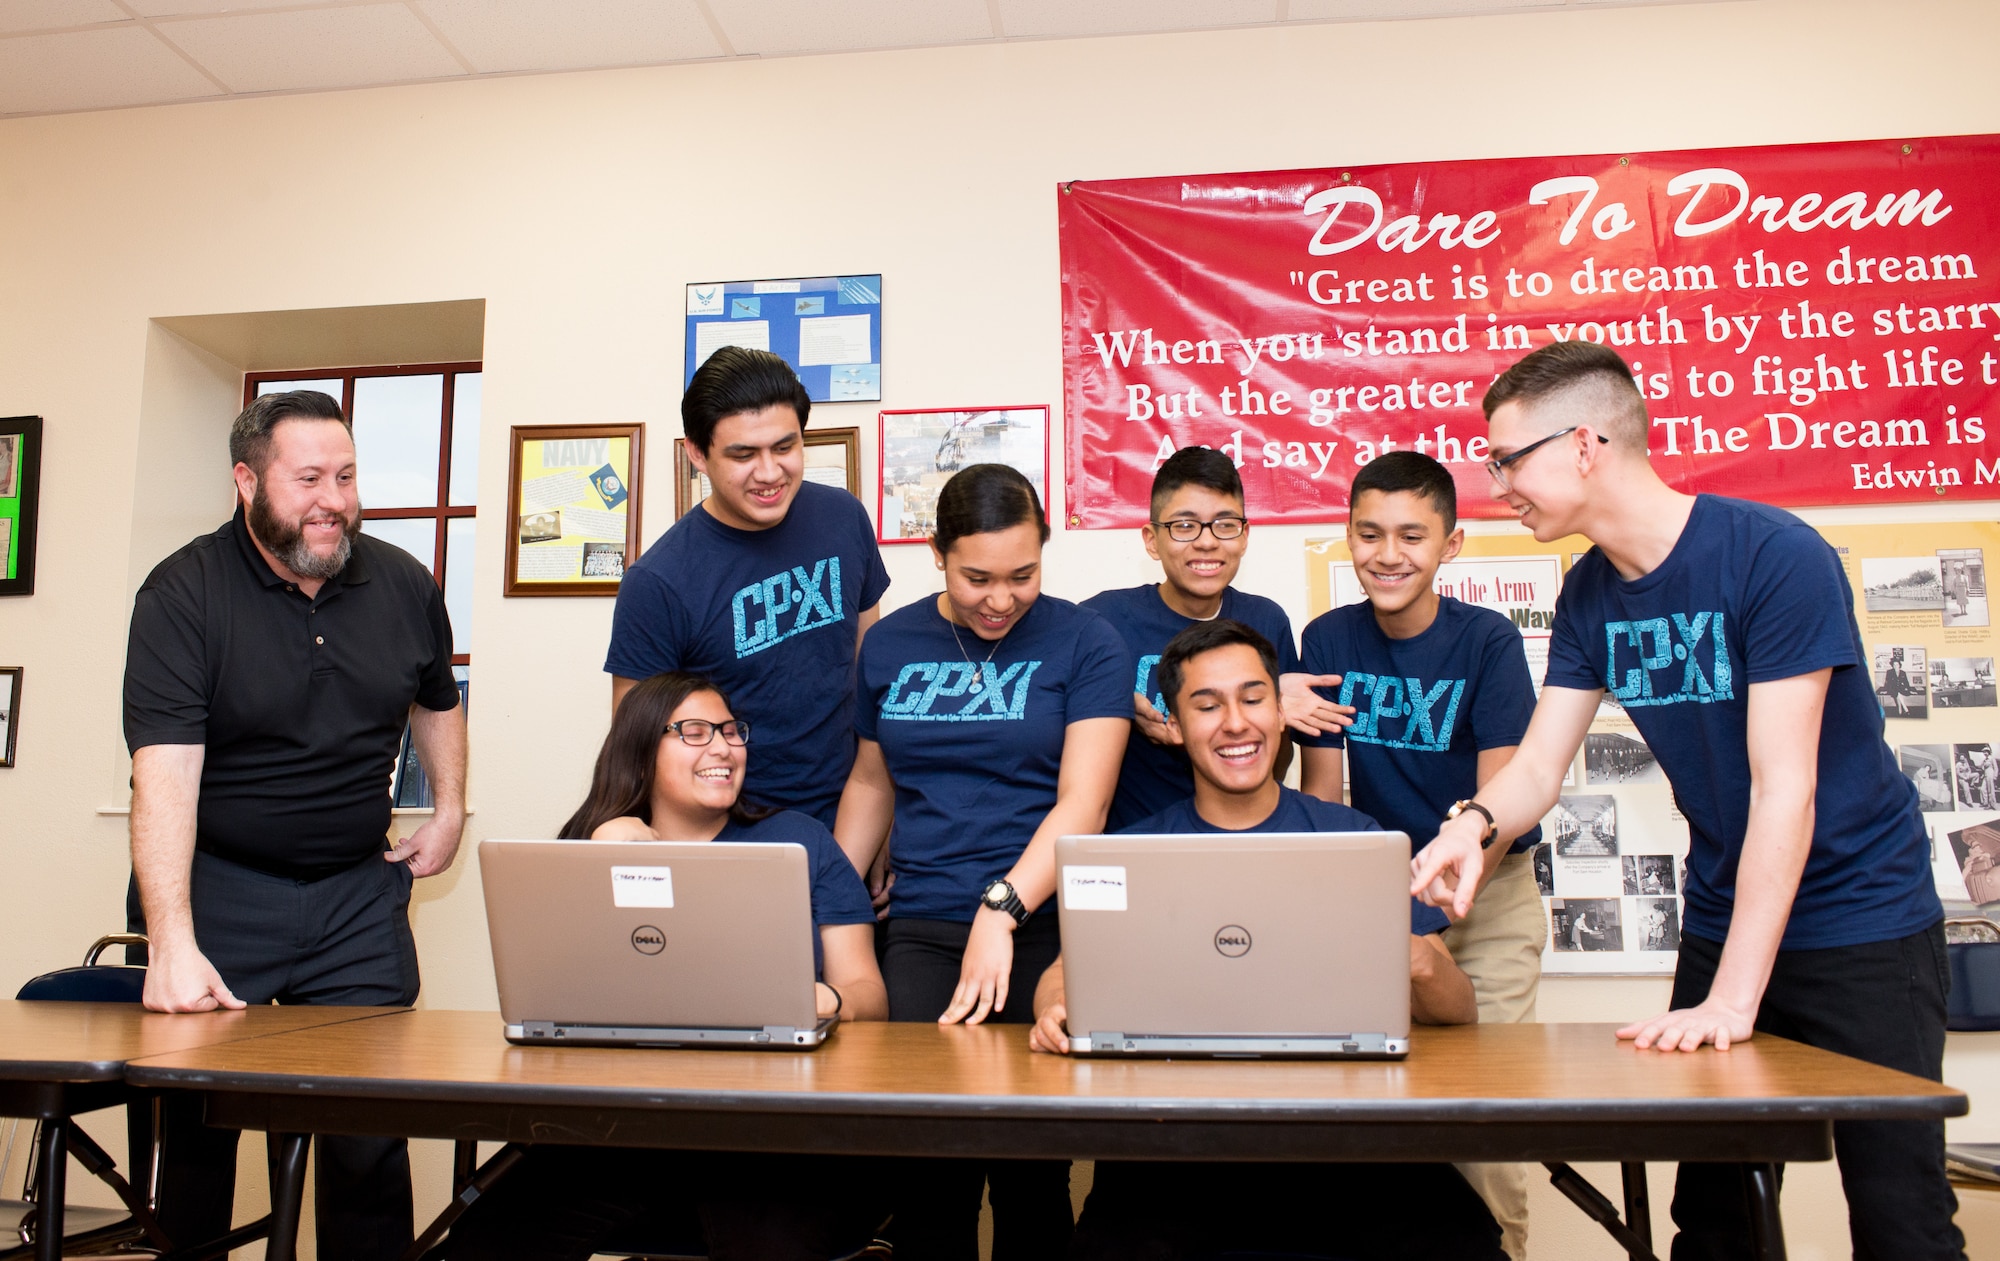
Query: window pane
[331, 388]
[398, 428]
[415, 535]
[458, 532]
[467, 395]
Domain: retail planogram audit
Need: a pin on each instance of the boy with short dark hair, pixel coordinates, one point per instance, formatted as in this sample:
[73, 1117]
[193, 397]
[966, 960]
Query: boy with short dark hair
[1198, 533]
[1441, 695]
[765, 586]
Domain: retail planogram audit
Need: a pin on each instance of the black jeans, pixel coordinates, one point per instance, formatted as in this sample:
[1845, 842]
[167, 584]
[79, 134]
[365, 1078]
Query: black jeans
[1883, 1002]
[1171, 1211]
[936, 1202]
[565, 1203]
[343, 941]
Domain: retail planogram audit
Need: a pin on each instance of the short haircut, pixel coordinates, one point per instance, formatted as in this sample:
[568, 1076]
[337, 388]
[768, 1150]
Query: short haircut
[985, 499]
[250, 433]
[1394, 471]
[1598, 378]
[734, 380]
[1207, 637]
[1196, 466]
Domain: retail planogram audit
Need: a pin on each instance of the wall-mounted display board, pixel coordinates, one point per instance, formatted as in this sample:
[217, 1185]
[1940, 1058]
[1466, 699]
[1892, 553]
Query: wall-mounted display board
[829, 328]
[10, 711]
[833, 458]
[1810, 324]
[572, 508]
[20, 499]
[922, 449]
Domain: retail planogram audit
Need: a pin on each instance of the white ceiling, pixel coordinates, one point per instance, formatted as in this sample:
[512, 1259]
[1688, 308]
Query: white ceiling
[58, 56]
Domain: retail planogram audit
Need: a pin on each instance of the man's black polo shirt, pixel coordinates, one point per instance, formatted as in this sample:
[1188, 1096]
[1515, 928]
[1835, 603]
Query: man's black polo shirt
[300, 703]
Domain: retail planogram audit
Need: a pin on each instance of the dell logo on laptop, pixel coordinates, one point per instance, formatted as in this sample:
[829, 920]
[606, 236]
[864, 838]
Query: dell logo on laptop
[648, 940]
[1232, 941]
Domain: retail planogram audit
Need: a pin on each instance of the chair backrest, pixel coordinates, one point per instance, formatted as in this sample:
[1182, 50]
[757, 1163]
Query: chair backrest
[94, 982]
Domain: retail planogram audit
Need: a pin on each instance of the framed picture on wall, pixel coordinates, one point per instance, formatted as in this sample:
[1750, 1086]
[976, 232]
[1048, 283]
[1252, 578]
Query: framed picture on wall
[572, 507]
[20, 498]
[922, 449]
[10, 711]
[833, 458]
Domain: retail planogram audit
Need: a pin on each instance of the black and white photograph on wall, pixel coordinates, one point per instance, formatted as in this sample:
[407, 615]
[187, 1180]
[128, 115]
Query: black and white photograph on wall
[10, 464]
[1901, 682]
[1545, 869]
[1902, 584]
[1577, 924]
[1610, 758]
[1585, 826]
[1649, 875]
[1962, 683]
[1656, 924]
[1964, 586]
[1977, 849]
[1929, 768]
[604, 560]
[10, 708]
[1976, 776]
[541, 527]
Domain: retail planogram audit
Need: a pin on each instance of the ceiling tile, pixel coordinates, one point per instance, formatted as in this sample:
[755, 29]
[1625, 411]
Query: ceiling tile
[1336, 10]
[812, 26]
[48, 15]
[308, 49]
[177, 8]
[1106, 17]
[563, 35]
[47, 74]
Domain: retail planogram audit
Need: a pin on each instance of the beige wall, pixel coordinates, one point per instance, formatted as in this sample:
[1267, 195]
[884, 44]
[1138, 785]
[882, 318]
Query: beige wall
[577, 206]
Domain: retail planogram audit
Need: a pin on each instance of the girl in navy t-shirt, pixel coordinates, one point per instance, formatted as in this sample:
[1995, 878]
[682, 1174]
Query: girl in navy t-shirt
[671, 770]
[992, 720]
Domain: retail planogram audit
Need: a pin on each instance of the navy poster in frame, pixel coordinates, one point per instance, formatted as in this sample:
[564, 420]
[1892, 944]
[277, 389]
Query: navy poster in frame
[20, 500]
[829, 328]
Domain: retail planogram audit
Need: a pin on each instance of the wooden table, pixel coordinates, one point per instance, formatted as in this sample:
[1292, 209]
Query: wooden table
[58, 1060]
[1536, 1092]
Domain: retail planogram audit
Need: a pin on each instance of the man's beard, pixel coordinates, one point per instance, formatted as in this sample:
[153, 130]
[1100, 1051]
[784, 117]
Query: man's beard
[286, 540]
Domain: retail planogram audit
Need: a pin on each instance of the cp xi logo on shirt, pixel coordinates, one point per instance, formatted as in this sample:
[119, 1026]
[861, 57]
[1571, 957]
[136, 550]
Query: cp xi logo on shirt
[942, 691]
[786, 604]
[1658, 661]
[1426, 712]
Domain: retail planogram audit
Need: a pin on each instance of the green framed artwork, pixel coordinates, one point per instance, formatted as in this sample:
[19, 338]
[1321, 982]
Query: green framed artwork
[20, 493]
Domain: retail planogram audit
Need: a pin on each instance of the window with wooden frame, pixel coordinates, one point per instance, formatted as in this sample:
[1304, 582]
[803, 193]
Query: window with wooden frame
[416, 441]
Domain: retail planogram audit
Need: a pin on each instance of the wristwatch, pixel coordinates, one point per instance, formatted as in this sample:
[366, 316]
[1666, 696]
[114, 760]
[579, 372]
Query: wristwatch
[1000, 896]
[1492, 828]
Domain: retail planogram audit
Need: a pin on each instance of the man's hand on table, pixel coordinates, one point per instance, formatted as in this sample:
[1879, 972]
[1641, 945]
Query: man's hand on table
[1688, 1028]
[179, 977]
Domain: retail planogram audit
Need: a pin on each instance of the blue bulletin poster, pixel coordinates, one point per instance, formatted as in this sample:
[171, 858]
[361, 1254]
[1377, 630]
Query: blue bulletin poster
[829, 328]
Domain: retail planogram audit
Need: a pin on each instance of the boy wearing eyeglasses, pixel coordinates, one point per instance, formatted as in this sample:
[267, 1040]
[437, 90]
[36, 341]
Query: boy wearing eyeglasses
[1726, 628]
[1198, 533]
[1440, 695]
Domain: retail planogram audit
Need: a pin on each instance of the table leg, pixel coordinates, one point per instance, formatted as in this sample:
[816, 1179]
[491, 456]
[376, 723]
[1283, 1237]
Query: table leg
[52, 1161]
[288, 1193]
[1638, 1203]
[1767, 1228]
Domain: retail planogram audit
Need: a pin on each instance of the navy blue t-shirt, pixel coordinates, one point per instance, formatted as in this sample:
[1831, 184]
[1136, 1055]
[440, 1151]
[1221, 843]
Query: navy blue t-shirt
[1156, 776]
[837, 893]
[976, 770]
[770, 616]
[1296, 812]
[1425, 708]
[1750, 594]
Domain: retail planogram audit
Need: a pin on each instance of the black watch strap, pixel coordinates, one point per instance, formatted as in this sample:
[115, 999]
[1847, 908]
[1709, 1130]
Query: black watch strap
[1011, 903]
[1492, 824]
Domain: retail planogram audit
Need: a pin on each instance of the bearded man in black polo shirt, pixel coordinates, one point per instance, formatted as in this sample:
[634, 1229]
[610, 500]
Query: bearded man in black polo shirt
[271, 669]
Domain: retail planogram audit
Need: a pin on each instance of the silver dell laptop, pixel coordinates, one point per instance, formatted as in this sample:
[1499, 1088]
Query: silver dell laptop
[1291, 945]
[652, 943]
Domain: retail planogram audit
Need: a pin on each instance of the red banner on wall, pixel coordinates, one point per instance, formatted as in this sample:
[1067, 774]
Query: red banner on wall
[1810, 324]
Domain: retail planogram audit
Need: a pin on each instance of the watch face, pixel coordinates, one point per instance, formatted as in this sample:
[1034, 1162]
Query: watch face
[996, 892]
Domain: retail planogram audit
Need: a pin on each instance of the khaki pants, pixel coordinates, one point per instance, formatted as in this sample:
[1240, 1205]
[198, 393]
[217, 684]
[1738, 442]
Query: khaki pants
[1500, 947]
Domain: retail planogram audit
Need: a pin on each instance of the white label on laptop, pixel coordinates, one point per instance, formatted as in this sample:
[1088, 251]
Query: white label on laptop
[642, 886]
[1093, 888]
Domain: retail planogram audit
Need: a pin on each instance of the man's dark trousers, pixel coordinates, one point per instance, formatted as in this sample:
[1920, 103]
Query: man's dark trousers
[341, 941]
[1884, 1002]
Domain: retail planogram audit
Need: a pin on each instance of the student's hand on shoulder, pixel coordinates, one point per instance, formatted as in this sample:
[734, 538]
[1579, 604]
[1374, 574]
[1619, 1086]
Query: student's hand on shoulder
[1687, 1029]
[1306, 711]
[982, 977]
[625, 827]
[1151, 722]
[1051, 1032]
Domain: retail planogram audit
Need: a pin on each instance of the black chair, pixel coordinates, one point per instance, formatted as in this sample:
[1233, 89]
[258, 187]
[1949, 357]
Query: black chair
[93, 1231]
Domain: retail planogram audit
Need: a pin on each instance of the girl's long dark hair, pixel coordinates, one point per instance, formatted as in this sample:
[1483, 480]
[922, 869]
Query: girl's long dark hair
[622, 783]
